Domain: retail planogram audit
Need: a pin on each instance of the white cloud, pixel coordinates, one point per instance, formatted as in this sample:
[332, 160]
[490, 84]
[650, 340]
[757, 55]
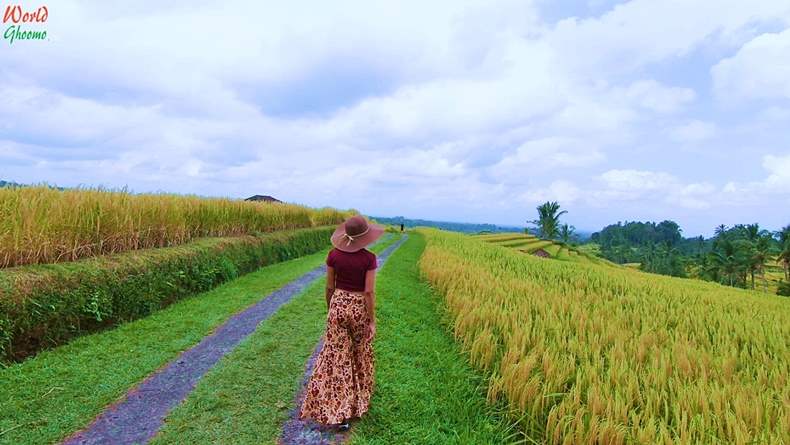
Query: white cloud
[650, 186]
[776, 182]
[537, 156]
[641, 32]
[654, 96]
[778, 168]
[452, 106]
[759, 70]
[693, 131]
[562, 191]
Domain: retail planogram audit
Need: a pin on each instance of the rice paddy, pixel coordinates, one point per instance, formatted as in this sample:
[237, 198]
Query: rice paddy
[46, 225]
[585, 354]
[530, 244]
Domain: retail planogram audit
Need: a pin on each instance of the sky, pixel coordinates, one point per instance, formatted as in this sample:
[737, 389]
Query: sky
[472, 111]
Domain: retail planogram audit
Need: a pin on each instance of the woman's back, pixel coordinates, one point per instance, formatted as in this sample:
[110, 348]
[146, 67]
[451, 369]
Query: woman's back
[350, 268]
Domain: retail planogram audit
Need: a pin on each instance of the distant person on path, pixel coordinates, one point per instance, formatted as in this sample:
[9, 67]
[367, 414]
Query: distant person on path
[342, 382]
[401, 227]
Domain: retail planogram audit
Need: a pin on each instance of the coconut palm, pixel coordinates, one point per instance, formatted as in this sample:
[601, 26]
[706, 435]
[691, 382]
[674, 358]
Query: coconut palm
[784, 258]
[727, 263]
[758, 247]
[760, 254]
[566, 233]
[548, 219]
[751, 232]
[783, 235]
[720, 230]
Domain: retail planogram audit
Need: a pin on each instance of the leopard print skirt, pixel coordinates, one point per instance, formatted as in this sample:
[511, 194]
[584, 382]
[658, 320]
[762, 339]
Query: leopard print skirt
[342, 381]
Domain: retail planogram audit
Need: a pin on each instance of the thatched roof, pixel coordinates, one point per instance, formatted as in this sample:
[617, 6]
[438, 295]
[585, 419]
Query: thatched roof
[265, 198]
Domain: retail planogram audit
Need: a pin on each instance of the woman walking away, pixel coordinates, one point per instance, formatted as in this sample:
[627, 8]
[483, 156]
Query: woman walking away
[342, 382]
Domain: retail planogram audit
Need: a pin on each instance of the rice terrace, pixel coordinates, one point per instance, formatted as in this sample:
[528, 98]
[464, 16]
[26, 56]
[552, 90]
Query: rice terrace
[567, 348]
[456, 222]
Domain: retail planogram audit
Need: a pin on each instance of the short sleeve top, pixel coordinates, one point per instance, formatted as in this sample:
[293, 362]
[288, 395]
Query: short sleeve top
[350, 268]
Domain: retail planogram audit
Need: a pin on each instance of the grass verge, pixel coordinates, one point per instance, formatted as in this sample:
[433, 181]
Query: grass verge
[426, 391]
[47, 397]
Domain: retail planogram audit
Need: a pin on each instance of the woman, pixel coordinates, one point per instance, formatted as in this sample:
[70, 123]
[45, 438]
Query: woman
[342, 382]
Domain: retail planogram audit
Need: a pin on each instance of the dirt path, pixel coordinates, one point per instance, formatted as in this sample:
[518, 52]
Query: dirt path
[138, 417]
[305, 432]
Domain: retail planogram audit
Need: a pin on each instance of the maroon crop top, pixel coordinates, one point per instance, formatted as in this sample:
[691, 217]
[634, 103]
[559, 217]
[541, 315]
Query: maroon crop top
[350, 268]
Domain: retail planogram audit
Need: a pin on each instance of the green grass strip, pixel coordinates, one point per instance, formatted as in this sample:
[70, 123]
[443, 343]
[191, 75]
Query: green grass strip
[553, 249]
[528, 241]
[509, 237]
[426, 391]
[245, 398]
[521, 242]
[535, 246]
[46, 398]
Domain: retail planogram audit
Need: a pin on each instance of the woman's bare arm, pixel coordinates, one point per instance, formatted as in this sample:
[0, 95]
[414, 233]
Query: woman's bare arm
[370, 294]
[330, 284]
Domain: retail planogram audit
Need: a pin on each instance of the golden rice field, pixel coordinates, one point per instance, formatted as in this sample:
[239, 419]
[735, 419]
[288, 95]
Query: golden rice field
[45, 225]
[588, 354]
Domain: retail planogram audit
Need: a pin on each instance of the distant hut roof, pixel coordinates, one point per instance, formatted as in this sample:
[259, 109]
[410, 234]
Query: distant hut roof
[541, 253]
[264, 198]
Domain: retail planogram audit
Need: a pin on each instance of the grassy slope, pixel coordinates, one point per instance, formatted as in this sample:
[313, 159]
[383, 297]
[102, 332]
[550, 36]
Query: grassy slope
[426, 392]
[246, 397]
[59, 391]
[503, 237]
[542, 244]
[553, 250]
[517, 243]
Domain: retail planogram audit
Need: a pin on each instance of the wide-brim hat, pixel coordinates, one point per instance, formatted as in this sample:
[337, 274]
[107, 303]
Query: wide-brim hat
[355, 233]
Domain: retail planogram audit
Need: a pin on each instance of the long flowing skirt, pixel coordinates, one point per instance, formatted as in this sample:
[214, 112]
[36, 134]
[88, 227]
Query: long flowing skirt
[342, 381]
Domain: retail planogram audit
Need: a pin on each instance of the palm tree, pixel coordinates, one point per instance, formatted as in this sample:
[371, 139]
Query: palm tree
[720, 230]
[783, 235]
[752, 231]
[784, 258]
[758, 246]
[566, 233]
[727, 263]
[548, 219]
[760, 254]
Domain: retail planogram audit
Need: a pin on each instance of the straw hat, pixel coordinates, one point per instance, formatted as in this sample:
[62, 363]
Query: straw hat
[355, 233]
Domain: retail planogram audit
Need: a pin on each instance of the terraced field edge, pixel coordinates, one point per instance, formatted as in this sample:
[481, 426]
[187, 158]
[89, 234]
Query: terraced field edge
[44, 306]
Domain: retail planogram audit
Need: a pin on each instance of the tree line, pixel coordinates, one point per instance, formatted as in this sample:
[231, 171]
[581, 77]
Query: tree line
[734, 256]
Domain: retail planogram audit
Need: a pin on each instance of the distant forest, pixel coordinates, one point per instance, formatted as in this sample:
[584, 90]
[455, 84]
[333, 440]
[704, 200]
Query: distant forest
[734, 256]
[16, 184]
[454, 226]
